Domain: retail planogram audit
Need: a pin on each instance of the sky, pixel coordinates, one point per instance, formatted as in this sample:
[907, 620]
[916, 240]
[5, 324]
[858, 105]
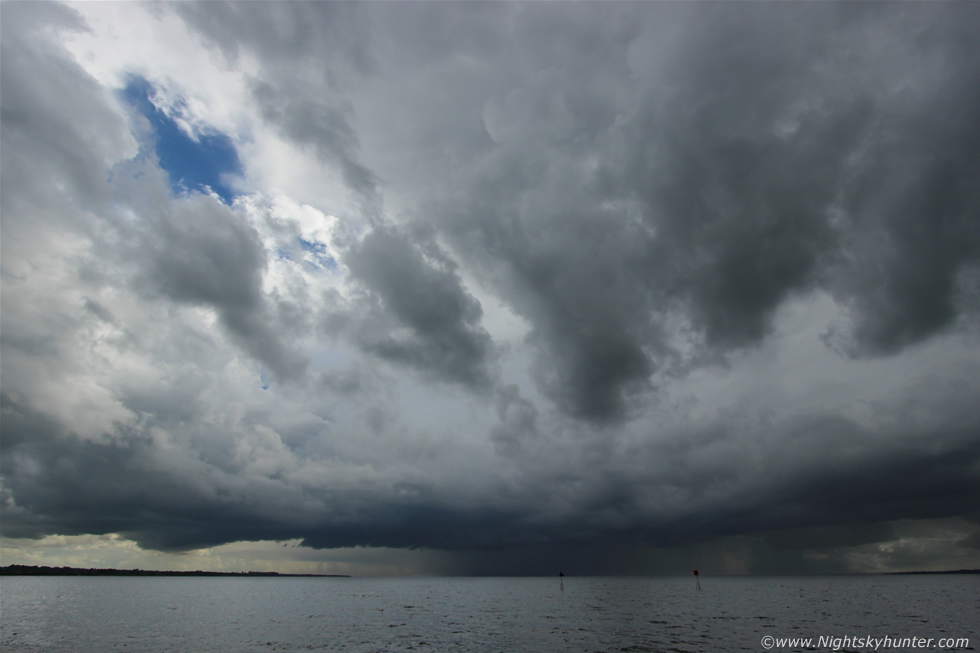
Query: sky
[490, 288]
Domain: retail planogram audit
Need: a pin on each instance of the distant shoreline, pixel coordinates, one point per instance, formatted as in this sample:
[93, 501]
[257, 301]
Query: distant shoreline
[952, 571]
[25, 570]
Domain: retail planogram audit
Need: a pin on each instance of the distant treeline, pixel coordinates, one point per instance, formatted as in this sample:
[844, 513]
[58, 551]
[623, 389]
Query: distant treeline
[957, 571]
[24, 570]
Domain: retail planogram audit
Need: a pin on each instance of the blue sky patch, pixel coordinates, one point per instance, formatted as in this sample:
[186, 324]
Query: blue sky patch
[190, 165]
[320, 256]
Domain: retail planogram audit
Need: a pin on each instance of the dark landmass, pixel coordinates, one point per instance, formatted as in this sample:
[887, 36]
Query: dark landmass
[952, 571]
[24, 570]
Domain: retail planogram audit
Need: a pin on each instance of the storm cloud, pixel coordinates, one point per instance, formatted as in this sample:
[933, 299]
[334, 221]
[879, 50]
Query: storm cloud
[519, 282]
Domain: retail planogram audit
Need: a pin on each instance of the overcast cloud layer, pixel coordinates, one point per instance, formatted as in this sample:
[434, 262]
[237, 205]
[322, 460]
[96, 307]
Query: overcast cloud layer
[521, 283]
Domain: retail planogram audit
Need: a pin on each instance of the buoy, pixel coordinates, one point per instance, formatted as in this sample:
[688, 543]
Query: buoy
[696, 579]
[561, 581]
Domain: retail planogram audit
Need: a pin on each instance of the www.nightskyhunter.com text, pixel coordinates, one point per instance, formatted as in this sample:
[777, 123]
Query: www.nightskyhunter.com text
[868, 642]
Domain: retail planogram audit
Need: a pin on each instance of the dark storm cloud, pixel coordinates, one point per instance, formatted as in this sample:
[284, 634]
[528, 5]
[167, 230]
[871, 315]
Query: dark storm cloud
[646, 185]
[803, 159]
[518, 422]
[199, 252]
[84, 487]
[285, 35]
[706, 163]
[169, 501]
[318, 123]
[760, 155]
[821, 539]
[972, 541]
[418, 288]
[844, 494]
[43, 148]
[92, 488]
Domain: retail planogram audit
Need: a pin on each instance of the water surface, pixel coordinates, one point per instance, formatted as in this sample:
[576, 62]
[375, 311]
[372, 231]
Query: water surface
[473, 614]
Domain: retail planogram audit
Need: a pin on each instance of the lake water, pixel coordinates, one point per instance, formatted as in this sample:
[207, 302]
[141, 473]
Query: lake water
[478, 614]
